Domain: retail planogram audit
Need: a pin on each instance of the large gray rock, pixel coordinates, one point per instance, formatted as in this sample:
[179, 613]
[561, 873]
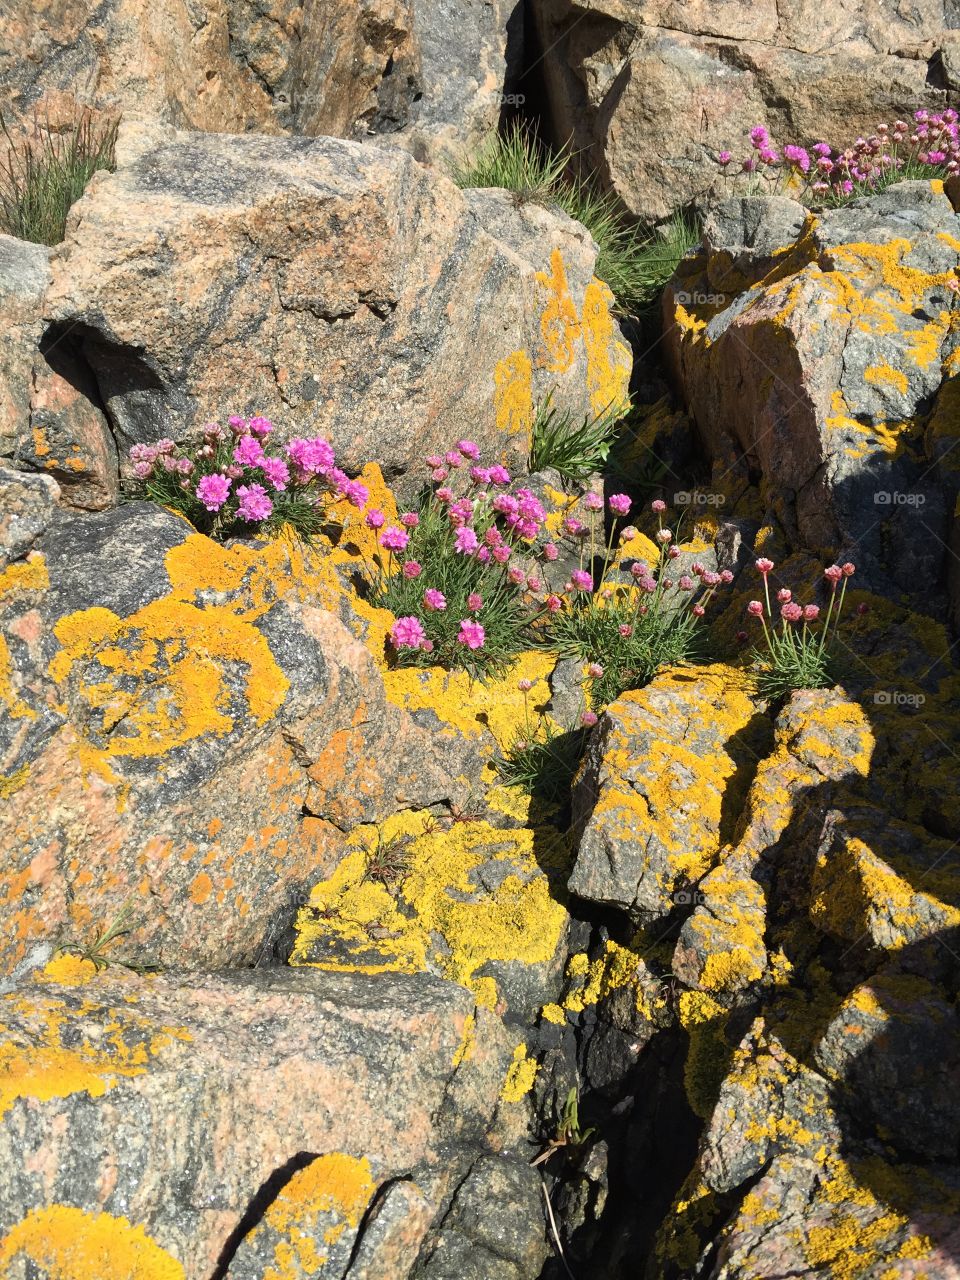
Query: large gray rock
[244, 1121]
[334, 288]
[815, 350]
[621, 75]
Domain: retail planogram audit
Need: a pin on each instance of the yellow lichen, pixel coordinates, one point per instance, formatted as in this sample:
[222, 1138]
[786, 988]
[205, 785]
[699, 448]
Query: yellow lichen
[520, 1077]
[69, 1244]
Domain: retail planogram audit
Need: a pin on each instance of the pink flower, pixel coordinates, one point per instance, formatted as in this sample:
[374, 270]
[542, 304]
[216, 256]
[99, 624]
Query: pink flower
[686, 583]
[439, 474]
[426, 646]
[433, 460]
[764, 566]
[412, 568]
[184, 466]
[374, 519]
[664, 535]
[166, 445]
[434, 600]
[759, 136]
[260, 427]
[249, 452]
[673, 552]
[444, 495]
[791, 613]
[254, 503]
[355, 493]
[471, 634]
[755, 609]
[527, 529]
[797, 156]
[480, 475]
[276, 471]
[657, 505]
[834, 573]
[811, 613]
[465, 543]
[524, 685]
[848, 569]
[407, 633]
[593, 502]
[474, 601]
[517, 577]
[143, 469]
[726, 576]
[313, 456]
[213, 491]
[234, 472]
[619, 503]
[237, 424]
[698, 611]
[554, 604]
[594, 670]
[143, 453]
[724, 157]
[784, 595]
[410, 520]
[469, 449]
[582, 580]
[533, 582]
[625, 630]
[589, 719]
[501, 554]
[550, 551]
[453, 459]
[394, 539]
[499, 475]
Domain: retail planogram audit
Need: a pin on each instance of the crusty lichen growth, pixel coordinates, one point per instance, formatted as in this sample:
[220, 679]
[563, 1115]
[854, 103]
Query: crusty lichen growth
[470, 895]
[521, 1075]
[64, 1243]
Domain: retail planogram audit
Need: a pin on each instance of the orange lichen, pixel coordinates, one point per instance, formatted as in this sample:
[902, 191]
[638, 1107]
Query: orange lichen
[513, 395]
[559, 322]
[69, 1244]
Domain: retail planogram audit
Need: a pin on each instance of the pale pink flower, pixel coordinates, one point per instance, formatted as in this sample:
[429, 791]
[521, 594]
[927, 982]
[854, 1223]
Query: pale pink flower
[755, 609]
[625, 630]
[471, 634]
[355, 493]
[444, 495]
[394, 539]
[764, 566]
[554, 604]
[517, 576]
[664, 535]
[848, 569]
[524, 685]
[593, 502]
[410, 520]
[550, 551]
[784, 595]
[501, 554]
[833, 573]
[533, 582]
[439, 474]
[791, 612]
[698, 611]
[657, 505]
[595, 670]
[811, 612]
[474, 601]
[686, 583]
[589, 719]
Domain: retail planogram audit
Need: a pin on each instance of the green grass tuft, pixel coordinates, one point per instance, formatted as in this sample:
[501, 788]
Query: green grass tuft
[44, 175]
[574, 447]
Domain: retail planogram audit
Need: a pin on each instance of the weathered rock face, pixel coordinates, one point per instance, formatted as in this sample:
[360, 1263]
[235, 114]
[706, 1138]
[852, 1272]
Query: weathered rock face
[315, 1097]
[179, 721]
[621, 75]
[334, 288]
[421, 74]
[813, 347]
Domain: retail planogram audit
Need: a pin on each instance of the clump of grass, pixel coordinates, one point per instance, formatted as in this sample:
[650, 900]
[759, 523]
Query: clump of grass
[389, 861]
[634, 265]
[574, 447]
[544, 764]
[45, 173]
[516, 161]
[95, 952]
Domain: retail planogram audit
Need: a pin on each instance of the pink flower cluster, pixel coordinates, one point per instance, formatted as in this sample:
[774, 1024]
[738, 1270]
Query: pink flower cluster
[232, 476]
[790, 609]
[929, 143]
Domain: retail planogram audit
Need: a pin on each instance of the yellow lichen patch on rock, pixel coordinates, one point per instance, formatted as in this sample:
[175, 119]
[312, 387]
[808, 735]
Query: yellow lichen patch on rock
[609, 361]
[873, 285]
[69, 970]
[559, 322]
[463, 898]
[884, 375]
[520, 1076]
[469, 706]
[513, 395]
[594, 980]
[72, 1048]
[65, 1243]
[25, 575]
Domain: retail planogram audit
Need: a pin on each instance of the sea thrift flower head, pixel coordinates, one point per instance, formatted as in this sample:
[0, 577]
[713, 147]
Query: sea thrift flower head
[550, 551]
[439, 474]
[277, 472]
[769, 156]
[444, 495]
[628, 533]
[698, 568]
[394, 539]
[493, 537]
[213, 491]
[499, 475]
[501, 554]
[237, 424]
[589, 719]
[143, 453]
[255, 505]
[434, 600]
[595, 670]
[833, 573]
[143, 469]
[375, 519]
[811, 612]
[593, 502]
[755, 609]
[822, 148]
[759, 136]
[412, 568]
[573, 525]
[409, 519]
[474, 601]
[517, 576]
[726, 576]
[166, 445]
[619, 503]
[724, 157]
[554, 604]
[260, 427]
[764, 566]
[433, 460]
[686, 583]
[355, 493]
[214, 432]
[848, 569]
[234, 472]
[453, 459]
[673, 551]
[791, 612]
[483, 555]
[527, 529]
[698, 611]
[469, 449]
[664, 535]
[625, 630]
[184, 466]
[471, 634]
[407, 633]
[480, 475]
[313, 456]
[533, 582]
[797, 156]
[524, 685]
[784, 595]
[649, 583]
[582, 580]
[466, 542]
[658, 505]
